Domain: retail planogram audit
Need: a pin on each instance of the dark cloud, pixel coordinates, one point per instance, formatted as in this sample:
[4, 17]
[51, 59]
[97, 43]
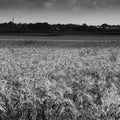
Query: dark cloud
[58, 4]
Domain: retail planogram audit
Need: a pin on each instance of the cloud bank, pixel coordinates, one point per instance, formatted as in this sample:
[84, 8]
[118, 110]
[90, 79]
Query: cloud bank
[58, 4]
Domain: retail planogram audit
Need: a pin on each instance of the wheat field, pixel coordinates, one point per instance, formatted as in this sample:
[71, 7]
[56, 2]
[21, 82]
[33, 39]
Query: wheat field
[59, 83]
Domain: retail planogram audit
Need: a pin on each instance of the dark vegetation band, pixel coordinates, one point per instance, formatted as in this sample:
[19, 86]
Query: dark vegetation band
[12, 27]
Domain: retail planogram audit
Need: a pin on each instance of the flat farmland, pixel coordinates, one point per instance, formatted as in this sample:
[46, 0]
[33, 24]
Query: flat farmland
[60, 78]
[61, 40]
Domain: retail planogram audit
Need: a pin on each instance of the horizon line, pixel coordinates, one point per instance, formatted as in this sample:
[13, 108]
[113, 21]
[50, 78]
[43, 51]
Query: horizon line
[56, 23]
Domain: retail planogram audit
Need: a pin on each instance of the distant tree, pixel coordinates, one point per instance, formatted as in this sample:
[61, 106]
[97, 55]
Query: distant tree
[104, 26]
[39, 26]
[84, 25]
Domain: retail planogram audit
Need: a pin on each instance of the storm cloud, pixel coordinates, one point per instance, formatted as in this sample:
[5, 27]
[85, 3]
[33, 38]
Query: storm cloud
[58, 4]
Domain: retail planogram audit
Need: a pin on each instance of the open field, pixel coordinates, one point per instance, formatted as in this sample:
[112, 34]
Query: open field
[74, 41]
[73, 80]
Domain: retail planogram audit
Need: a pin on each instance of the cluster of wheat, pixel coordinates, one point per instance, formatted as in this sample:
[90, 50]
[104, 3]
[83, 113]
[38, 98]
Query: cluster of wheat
[59, 83]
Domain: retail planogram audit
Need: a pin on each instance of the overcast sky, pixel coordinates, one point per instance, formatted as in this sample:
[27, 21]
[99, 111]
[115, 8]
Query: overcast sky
[61, 11]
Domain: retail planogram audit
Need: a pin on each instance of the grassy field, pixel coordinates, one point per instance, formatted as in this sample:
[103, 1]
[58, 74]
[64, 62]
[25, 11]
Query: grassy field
[48, 82]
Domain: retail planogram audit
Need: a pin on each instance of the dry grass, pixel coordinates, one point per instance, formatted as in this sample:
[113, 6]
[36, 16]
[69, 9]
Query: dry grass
[60, 83]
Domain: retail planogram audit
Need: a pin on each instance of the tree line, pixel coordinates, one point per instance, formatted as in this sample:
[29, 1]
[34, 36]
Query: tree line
[12, 27]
